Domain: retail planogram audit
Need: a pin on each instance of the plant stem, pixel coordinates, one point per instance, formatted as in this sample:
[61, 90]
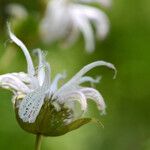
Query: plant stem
[38, 142]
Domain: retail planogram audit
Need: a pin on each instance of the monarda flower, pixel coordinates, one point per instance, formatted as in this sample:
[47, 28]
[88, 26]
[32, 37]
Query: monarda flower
[43, 108]
[65, 19]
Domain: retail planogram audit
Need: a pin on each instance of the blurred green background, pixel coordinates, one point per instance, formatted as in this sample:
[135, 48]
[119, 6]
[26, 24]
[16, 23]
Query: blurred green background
[127, 123]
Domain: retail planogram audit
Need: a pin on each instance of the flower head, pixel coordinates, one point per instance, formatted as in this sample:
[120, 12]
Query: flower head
[65, 19]
[41, 106]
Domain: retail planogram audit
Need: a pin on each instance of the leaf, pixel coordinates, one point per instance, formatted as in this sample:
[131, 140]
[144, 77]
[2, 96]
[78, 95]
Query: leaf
[78, 123]
[70, 127]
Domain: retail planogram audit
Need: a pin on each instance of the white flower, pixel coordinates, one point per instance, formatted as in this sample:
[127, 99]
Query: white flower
[65, 19]
[17, 11]
[36, 89]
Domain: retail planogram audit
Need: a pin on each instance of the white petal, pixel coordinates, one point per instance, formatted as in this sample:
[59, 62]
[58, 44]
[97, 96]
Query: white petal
[23, 77]
[32, 103]
[74, 96]
[75, 80]
[31, 70]
[54, 85]
[95, 95]
[46, 83]
[83, 24]
[41, 71]
[98, 17]
[90, 66]
[30, 81]
[89, 79]
[11, 82]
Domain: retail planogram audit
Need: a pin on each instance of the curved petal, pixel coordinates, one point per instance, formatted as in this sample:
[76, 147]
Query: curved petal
[46, 82]
[41, 71]
[89, 79]
[83, 24]
[74, 96]
[94, 95]
[99, 19]
[11, 82]
[18, 42]
[30, 81]
[90, 66]
[54, 85]
[75, 80]
[23, 77]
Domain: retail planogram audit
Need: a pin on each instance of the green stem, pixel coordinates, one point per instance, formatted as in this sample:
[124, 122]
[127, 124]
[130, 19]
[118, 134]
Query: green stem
[38, 142]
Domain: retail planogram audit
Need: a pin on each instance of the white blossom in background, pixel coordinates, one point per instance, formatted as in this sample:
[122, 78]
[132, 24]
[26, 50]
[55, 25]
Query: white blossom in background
[35, 88]
[65, 19]
[17, 11]
[105, 3]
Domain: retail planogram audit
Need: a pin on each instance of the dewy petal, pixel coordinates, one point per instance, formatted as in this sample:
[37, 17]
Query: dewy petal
[94, 95]
[31, 70]
[83, 24]
[11, 82]
[54, 85]
[75, 80]
[74, 96]
[41, 71]
[32, 103]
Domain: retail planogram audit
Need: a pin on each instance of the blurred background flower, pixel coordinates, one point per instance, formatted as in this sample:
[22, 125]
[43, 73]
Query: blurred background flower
[126, 125]
[65, 19]
[105, 3]
[17, 11]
